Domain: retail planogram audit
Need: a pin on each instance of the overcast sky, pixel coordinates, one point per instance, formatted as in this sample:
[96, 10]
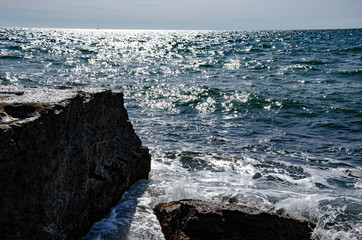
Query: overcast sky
[183, 14]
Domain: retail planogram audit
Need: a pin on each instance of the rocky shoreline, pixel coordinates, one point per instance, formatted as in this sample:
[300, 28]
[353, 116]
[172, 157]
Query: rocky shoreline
[67, 155]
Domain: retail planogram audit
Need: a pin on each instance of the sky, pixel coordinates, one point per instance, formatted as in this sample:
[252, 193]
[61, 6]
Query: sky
[183, 14]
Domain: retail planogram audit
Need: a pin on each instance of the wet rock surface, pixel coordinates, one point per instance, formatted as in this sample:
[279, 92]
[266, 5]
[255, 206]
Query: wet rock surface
[67, 155]
[195, 219]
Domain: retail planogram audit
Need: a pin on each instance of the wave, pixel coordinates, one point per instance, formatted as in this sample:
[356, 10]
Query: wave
[15, 48]
[77, 84]
[88, 51]
[351, 49]
[357, 72]
[10, 57]
[313, 62]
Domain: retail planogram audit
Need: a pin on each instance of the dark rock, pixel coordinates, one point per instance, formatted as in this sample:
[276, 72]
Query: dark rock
[195, 219]
[67, 155]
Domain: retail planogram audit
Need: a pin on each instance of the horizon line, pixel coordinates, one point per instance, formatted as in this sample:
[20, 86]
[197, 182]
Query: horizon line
[180, 29]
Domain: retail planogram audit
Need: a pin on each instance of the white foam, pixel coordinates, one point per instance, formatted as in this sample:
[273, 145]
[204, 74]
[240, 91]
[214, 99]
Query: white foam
[219, 178]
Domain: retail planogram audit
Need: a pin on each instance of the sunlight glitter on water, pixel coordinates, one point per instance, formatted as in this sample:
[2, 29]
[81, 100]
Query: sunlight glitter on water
[271, 118]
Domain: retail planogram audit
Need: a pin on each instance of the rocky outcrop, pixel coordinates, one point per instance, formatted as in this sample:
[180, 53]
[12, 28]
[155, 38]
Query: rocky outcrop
[66, 157]
[196, 220]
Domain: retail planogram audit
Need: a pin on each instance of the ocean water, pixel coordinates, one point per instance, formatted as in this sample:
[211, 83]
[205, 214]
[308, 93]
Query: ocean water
[271, 118]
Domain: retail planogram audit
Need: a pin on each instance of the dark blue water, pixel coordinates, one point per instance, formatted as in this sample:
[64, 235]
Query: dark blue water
[272, 118]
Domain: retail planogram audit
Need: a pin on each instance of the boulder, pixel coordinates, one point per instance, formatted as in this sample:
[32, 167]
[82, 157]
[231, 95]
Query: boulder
[67, 155]
[196, 220]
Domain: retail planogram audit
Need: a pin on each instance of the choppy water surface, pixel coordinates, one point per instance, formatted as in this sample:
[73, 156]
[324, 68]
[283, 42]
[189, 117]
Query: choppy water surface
[272, 118]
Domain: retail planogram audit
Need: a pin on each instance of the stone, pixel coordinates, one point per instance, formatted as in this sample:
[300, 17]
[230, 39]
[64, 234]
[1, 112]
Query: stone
[196, 220]
[67, 155]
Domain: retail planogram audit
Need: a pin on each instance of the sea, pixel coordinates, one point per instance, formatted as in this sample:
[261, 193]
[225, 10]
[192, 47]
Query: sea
[270, 119]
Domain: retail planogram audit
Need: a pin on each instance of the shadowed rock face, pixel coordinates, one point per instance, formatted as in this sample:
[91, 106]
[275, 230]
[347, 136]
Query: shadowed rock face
[67, 155]
[196, 220]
